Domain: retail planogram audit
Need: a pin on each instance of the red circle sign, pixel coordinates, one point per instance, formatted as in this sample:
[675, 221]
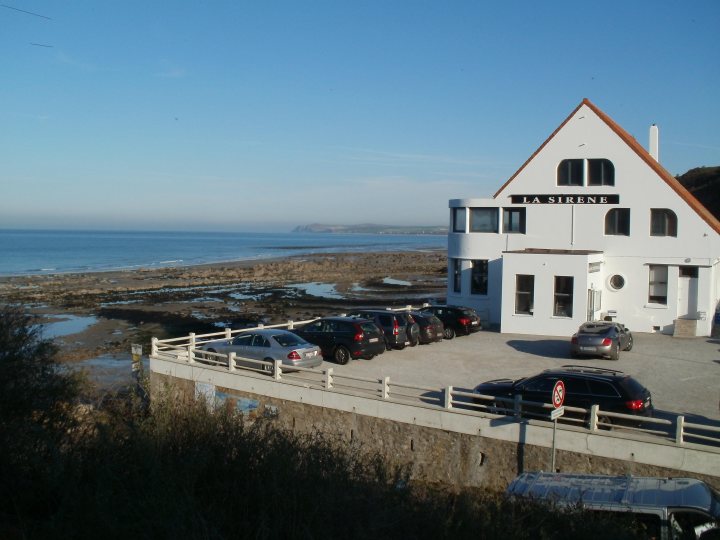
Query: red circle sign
[558, 394]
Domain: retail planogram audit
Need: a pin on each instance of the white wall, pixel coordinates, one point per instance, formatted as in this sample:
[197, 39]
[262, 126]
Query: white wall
[581, 227]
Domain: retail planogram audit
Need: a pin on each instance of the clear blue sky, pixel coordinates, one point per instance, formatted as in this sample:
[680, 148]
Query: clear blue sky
[238, 115]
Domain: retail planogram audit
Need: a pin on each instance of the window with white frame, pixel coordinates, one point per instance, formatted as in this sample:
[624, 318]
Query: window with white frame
[658, 280]
[514, 220]
[479, 281]
[524, 294]
[458, 219]
[617, 222]
[484, 220]
[663, 222]
[563, 306]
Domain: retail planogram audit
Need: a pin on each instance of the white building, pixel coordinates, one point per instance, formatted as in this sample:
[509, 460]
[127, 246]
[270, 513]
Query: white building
[590, 227]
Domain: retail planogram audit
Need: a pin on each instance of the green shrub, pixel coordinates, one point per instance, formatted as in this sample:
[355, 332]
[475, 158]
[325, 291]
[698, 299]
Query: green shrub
[184, 471]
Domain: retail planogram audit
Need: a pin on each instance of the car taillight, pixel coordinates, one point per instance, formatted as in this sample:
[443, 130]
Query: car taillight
[607, 342]
[635, 404]
[464, 321]
[573, 340]
[294, 355]
[396, 327]
[358, 337]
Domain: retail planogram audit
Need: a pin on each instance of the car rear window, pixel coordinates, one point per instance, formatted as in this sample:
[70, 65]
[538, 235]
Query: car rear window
[289, 340]
[632, 386]
[600, 388]
[595, 329]
[369, 327]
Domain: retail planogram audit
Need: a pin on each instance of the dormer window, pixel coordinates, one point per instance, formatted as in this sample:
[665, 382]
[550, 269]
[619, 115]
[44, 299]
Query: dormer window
[573, 172]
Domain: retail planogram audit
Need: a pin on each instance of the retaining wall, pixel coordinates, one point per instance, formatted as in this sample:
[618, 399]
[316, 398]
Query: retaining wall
[453, 447]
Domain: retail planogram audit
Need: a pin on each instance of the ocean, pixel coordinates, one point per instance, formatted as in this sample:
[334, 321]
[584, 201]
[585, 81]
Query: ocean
[28, 252]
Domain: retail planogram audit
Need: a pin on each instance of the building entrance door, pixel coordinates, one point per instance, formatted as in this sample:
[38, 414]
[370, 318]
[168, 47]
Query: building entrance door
[687, 292]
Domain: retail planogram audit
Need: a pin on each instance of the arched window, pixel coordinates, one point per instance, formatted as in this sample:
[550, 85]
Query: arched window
[617, 222]
[663, 222]
[601, 172]
[570, 172]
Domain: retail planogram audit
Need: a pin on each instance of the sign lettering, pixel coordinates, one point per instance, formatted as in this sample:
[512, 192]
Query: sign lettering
[565, 199]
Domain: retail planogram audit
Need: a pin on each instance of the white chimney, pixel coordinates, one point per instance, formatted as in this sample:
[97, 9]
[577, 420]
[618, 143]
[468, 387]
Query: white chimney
[655, 143]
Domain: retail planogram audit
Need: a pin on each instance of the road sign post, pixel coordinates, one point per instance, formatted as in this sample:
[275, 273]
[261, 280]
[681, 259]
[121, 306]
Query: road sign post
[558, 398]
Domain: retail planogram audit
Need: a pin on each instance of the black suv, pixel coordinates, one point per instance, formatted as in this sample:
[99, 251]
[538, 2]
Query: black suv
[456, 319]
[431, 328]
[611, 390]
[343, 338]
[399, 327]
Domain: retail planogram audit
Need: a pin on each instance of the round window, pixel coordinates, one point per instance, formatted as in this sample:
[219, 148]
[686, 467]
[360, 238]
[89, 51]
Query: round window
[617, 282]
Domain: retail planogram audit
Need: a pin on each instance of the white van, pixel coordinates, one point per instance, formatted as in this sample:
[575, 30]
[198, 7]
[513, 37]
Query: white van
[668, 508]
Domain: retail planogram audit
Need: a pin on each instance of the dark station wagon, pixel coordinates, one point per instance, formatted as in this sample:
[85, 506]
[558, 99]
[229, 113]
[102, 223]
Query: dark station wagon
[585, 386]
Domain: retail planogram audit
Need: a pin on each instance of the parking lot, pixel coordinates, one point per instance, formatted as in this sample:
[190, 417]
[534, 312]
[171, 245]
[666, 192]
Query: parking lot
[683, 374]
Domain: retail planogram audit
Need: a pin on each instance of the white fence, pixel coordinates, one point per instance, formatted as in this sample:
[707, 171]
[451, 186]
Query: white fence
[675, 430]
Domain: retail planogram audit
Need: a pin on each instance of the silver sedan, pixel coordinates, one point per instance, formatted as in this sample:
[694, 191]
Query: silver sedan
[601, 338]
[268, 345]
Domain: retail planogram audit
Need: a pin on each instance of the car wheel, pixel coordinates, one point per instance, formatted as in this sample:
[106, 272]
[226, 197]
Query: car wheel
[629, 345]
[268, 368]
[341, 355]
[606, 421]
[413, 341]
[448, 333]
[615, 352]
[400, 346]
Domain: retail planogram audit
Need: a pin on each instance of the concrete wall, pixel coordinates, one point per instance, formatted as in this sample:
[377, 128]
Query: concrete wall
[466, 449]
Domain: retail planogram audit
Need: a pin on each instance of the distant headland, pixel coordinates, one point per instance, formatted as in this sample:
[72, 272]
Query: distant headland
[371, 228]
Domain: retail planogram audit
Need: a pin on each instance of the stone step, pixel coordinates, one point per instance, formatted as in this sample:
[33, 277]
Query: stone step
[685, 328]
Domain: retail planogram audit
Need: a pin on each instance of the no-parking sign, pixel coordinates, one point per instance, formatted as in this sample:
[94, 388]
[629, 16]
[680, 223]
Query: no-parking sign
[558, 394]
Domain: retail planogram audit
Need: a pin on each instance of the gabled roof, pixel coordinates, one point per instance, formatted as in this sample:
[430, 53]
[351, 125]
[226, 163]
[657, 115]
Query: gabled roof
[643, 154]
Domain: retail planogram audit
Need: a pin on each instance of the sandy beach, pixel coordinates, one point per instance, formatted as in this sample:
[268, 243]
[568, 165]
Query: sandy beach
[114, 309]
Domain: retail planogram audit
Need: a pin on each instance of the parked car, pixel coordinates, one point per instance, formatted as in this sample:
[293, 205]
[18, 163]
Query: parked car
[456, 319]
[601, 338]
[268, 345]
[399, 327]
[343, 338]
[612, 390]
[665, 508]
[431, 328]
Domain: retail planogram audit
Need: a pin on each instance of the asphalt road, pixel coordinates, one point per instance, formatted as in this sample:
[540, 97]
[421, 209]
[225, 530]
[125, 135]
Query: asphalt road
[683, 374]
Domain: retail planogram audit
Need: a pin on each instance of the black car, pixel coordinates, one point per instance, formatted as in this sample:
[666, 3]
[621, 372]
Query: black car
[456, 319]
[431, 328]
[343, 338]
[399, 327]
[612, 390]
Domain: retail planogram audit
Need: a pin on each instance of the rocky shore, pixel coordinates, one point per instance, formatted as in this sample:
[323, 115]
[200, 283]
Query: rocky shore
[127, 307]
